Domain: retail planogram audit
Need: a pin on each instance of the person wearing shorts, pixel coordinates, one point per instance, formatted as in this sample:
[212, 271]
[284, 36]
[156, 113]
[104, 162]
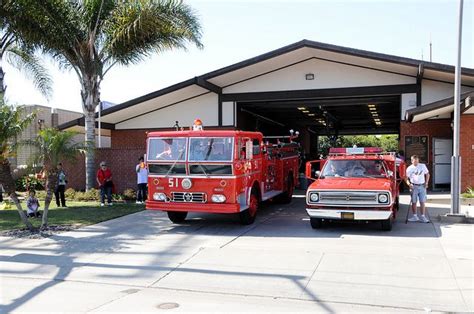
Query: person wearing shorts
[417, 178]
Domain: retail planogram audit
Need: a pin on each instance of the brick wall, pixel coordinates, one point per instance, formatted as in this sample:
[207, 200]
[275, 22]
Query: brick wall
[129, 139]
[440, 128]
[466, 150]
[121, 162]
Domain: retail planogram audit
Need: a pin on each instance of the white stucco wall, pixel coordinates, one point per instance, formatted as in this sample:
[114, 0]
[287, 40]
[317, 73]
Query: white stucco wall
[433, 91]
[326, 75]
[204, 107]
[228, 111]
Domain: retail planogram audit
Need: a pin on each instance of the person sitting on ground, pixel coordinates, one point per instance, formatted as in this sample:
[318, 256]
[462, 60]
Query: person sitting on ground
[32, 205]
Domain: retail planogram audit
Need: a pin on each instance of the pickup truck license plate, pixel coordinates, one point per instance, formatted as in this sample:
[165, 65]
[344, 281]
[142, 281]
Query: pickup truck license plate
[346, 215]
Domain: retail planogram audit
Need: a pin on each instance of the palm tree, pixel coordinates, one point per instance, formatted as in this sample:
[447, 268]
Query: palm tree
[12, 123]
[22, 57]
[91, 36]
[53, 146]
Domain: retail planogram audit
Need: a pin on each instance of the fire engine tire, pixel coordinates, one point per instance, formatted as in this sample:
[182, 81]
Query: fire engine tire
[316, 223]
[287, 196]
[387, 224]
[177, 217]
[247, 217]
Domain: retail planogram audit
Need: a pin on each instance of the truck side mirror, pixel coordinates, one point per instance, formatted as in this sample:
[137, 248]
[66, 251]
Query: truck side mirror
[390, 173]
[310, 174]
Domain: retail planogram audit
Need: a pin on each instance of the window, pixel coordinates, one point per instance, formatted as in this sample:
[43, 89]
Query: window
[211, 149]
[165, 149]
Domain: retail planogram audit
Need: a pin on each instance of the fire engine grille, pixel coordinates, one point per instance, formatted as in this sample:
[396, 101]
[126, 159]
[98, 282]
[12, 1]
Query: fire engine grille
[188, 197]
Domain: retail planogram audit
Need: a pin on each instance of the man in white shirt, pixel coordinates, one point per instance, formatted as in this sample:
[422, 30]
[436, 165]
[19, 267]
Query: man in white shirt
[142, 180]
[417, 178]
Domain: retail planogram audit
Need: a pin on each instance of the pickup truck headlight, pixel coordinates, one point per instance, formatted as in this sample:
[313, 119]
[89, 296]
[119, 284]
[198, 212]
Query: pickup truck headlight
[383, 198]
[314, 197]
[159, 197]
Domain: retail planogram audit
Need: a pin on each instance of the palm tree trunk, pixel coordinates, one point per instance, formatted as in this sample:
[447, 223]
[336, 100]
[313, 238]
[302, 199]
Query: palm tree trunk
[51, 180]
[90, 100]
[9, 186]
[90, 152]
[2, 86]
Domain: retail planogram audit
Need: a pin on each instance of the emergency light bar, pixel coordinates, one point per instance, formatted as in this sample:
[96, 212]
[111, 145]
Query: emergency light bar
[355, 150]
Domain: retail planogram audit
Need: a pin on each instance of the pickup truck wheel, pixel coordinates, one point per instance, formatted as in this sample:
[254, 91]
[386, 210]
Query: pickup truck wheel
[287, 196]
[177, 217]
[247, 217]
[387, 224]
[316, 223]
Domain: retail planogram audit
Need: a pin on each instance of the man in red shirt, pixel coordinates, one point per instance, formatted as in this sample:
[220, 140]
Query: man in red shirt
[104, 179]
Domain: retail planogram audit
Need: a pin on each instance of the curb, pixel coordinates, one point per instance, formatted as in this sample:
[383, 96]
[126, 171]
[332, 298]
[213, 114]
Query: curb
[457, 219]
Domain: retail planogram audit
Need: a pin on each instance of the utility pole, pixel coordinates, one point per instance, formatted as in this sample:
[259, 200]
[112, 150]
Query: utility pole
[456, 159]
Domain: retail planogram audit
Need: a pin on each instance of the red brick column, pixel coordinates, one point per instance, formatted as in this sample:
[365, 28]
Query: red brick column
[466, 151]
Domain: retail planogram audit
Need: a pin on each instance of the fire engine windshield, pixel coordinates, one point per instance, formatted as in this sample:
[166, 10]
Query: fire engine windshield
[211, 149]
[354, 168]
[167, 149]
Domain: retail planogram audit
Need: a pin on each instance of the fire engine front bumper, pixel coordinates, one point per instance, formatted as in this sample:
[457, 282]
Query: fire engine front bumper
[194, 207]
[340, 214]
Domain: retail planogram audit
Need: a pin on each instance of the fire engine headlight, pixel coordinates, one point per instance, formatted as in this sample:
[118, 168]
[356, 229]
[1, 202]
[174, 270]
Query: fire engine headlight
[159, 197]
[314, 197]
[218, 198]
[186, 184]
[383, 198]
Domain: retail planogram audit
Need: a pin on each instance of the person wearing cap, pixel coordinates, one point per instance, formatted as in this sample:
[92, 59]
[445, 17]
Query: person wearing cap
[417, 177]
[104, 179]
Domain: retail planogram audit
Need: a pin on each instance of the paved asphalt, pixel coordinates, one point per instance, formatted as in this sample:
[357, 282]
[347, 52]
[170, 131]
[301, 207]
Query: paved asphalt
[143, 263]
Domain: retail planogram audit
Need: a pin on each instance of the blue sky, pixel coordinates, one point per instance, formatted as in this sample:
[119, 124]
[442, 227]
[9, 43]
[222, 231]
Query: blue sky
[236, 30]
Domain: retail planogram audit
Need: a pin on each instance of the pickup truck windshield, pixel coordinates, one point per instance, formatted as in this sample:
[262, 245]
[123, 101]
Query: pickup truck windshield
[167, 149]
[355, 168]
[211, 149]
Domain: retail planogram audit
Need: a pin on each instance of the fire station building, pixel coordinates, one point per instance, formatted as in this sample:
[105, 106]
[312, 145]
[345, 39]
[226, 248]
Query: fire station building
[315, 88]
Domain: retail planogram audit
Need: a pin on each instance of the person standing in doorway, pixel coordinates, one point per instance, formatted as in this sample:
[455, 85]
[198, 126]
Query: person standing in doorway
[60, 186]
[417, 178]
[104, 179]
[142, 180]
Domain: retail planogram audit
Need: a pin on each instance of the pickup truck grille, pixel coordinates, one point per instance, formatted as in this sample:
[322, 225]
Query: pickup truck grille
[188, 197]
[348, 198]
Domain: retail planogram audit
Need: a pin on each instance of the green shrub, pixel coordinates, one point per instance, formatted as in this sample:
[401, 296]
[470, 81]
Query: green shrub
[117, 197]
[469, 192]
[129, 195]
[41, 195]
[70, 194]
[28, 182]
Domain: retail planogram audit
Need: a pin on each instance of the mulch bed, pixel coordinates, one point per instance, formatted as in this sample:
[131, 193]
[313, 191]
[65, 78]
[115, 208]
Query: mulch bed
[37, 234]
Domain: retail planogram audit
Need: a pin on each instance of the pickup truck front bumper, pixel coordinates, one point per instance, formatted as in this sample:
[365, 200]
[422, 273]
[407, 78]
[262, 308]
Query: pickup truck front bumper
[337, 214]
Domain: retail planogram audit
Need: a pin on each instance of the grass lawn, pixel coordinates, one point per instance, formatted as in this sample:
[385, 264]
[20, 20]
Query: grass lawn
[77, 213]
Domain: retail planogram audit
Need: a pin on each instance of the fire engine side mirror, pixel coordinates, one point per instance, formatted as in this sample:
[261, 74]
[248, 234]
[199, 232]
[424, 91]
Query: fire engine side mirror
[390, 173]
[317, 174]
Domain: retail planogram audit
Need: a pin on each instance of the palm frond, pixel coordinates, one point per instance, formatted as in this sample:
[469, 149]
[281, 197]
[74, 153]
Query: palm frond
[13, 120]
[137, 29]
[27, 62]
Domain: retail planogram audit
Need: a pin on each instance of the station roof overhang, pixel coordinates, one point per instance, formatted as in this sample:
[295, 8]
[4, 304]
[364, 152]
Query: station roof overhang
[441, 107]
[216, 81]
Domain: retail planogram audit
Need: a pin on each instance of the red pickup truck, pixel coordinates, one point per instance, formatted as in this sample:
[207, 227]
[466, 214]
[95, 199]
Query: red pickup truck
[354, 184]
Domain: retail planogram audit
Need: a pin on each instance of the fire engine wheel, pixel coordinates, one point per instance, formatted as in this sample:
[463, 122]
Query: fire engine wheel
[387, 224]
[287, 196]
[316, 223]
[177, 217]
[247, 217]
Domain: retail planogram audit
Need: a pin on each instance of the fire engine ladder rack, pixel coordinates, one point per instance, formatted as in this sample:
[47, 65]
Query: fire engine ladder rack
[362, 154]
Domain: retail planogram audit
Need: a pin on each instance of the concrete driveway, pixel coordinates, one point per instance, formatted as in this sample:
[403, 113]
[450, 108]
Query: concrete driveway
[143, 263]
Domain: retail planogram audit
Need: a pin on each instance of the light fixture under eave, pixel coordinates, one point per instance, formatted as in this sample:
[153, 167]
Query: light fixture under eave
[305, 111]
[311, 114]
[309, 76]
[301, 108]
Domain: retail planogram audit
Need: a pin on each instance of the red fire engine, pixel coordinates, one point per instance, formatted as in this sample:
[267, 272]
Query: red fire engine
[217, 171]
[354, 184]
